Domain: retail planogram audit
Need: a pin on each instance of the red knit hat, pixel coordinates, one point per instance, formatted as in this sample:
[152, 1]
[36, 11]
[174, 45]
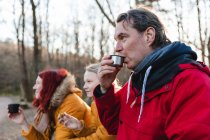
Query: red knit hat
[51, 79]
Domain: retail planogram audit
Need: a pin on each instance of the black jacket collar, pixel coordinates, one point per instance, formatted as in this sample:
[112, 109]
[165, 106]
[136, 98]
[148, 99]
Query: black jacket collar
[165, 65]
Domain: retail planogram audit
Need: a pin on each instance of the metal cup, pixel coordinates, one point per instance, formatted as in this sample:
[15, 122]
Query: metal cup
[117, 60]
[13, 108]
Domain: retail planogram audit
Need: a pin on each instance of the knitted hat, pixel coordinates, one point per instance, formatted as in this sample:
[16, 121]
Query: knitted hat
[51, 79]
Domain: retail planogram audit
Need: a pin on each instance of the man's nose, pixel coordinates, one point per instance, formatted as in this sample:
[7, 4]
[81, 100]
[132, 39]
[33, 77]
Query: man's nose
[118, 47]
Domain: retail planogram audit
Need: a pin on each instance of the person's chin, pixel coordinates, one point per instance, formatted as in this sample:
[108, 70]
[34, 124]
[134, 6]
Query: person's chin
[129, 66]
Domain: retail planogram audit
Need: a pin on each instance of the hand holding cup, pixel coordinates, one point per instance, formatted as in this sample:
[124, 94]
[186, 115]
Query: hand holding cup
[15, 113]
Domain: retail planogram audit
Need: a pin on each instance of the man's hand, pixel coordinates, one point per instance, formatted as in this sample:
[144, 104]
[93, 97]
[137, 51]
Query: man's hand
[107, 73]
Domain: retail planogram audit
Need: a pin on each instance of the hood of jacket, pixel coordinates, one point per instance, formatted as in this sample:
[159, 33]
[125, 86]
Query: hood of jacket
[165, 65]
[66, 87]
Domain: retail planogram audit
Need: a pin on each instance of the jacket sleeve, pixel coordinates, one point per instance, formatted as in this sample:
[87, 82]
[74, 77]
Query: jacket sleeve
[108, 106]
[87, 129]
[76, 107]
[89, 123]
[33, 134]
[189, 116]
[92, 136]
[100, 133]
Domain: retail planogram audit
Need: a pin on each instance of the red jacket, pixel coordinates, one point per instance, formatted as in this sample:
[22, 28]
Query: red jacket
[179, 110]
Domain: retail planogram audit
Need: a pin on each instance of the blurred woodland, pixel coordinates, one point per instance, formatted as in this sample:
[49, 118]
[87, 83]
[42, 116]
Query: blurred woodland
[38, 45]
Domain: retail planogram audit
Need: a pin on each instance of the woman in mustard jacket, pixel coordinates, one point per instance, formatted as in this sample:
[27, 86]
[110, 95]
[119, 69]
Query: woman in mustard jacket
[91, 81]
[55, 93]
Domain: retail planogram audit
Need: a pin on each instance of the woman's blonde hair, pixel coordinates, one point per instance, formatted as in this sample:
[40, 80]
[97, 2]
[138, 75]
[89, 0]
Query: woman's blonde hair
[94, 68]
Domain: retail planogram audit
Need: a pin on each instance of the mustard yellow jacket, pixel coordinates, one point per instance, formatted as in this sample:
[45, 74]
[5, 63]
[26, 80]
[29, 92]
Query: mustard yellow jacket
[73, 105]
[101, 133]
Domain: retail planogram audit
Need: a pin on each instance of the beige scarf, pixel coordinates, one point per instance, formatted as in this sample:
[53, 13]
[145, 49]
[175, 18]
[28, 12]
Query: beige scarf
[41, 121]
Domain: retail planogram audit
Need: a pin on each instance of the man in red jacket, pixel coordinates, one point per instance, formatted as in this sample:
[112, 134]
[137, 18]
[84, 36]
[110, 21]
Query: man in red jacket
[168, 93]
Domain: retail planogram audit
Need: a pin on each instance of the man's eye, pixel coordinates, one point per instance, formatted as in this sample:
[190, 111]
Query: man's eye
[121, 37]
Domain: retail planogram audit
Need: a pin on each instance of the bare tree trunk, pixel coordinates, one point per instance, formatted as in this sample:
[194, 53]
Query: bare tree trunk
[25, 80]
[78, 70]
[37, 55]
[207, 30]
[202, 42]
[49, 59]
[76, 34]
[27, 93]
[101, 39]
[92, 44]
[177, 19]
[66, 42]
[181, 21]
[40, 34]
[57, 58]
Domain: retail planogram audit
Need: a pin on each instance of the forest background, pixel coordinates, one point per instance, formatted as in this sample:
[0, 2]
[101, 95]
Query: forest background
[36, 35]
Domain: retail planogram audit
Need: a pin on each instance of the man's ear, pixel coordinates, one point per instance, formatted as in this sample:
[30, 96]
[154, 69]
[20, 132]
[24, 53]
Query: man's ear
[150, 35]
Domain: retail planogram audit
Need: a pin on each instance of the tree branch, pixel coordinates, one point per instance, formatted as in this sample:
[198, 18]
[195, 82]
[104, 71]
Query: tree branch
[107, 17]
